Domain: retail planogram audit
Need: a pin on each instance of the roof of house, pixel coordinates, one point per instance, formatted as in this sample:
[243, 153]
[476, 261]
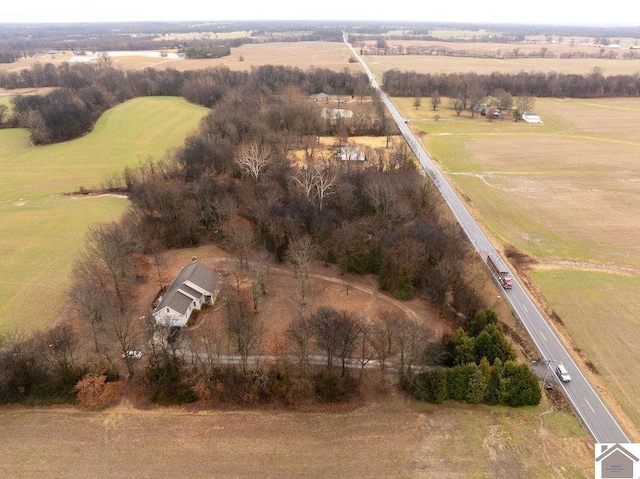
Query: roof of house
[179, 295]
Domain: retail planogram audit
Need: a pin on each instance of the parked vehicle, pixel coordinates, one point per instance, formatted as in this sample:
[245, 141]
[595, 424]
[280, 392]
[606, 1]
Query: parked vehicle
[501, 275]
[173, 334]
[132, 354]
[562, 373]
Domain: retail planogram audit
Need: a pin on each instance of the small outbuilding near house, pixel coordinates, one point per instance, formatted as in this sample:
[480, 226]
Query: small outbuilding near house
[195, 285]
[531, 118]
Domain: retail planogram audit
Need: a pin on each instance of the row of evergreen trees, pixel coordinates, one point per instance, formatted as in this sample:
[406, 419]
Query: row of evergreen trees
[483, 368]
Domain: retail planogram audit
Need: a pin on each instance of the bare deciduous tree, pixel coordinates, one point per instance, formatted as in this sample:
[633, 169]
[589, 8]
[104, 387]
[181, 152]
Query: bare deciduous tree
[300, 253]
[244, 328]
[522, 105]
[239, 235]
[300, 333]
[111, 244]
[253, 158]
[435, 100]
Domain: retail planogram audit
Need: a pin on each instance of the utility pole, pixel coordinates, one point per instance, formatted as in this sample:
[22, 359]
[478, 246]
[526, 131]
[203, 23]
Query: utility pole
[547, 362]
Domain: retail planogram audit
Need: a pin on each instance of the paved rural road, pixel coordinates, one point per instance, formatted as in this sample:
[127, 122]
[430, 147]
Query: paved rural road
[585, 401]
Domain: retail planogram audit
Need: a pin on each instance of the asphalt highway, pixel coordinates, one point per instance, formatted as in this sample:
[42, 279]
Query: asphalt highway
[585, 401]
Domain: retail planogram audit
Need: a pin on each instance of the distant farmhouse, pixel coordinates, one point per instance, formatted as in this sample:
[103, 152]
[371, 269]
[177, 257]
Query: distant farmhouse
[194, 286]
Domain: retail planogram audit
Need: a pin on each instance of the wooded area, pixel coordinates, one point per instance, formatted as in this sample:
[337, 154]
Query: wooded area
[237, 182]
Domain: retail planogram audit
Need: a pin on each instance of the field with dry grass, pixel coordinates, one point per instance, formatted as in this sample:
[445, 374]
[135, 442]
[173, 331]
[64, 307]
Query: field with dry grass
[303, 55]
[388, 437]
[566, 193]
[436, 64]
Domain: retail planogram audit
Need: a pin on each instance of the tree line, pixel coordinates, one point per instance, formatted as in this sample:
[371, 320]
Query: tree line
[538, 84]
[85, 91]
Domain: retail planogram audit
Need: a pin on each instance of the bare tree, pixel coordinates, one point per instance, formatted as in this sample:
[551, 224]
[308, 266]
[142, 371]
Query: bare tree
[458, 103]
[336, 333]
[435, 100]
[350, 329]
[411, 338]
[300, 253]
[324, 181]
[112, 244]
[325, 328]
[253, 158]
[303, 179]
[300, 333]
[91, 296]
[58, 345]
[244, 328]
[123, 327]
[208, 339]
[522, 105]
[366, 348]
[239, 235]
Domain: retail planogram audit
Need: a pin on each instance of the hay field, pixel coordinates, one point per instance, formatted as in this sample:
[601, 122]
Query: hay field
[386, 438]
[600, 311]
[444, 64]
[45, 228]
[566, 192]
[303, 55]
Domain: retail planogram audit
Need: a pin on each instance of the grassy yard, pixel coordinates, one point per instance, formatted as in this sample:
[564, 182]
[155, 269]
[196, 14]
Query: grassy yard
[45, 228]
[566, 192]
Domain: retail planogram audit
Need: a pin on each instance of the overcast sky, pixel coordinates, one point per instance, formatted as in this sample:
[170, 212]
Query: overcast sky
[559, 12]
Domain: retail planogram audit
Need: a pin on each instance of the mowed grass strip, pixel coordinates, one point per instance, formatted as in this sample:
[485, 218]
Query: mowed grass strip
[43, 229]
[600, 312]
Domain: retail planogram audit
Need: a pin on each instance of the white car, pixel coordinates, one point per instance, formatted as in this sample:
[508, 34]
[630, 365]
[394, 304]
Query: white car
[132, 354]
[563, 374]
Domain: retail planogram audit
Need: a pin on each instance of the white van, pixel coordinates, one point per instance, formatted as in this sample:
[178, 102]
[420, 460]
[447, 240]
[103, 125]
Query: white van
[562, 373]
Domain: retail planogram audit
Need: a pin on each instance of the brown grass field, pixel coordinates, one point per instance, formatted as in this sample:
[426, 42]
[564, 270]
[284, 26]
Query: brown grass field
[388, 437]
[447, 64]
[330, 55]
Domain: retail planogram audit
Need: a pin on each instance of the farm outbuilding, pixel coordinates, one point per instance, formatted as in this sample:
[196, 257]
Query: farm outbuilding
[531, 118]
[195, 285]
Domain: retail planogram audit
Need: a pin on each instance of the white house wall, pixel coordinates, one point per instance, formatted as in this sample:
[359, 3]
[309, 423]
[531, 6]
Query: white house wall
[171, 317]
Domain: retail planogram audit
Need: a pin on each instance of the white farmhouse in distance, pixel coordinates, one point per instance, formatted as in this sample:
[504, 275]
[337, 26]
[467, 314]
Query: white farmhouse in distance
[195, 285]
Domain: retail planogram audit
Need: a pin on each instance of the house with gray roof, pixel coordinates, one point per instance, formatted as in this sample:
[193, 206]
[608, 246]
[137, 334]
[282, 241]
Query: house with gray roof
[195, 285]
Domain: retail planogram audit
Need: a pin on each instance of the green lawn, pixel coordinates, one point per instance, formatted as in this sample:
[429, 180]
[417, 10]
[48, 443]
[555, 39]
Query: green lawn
[43, 229]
